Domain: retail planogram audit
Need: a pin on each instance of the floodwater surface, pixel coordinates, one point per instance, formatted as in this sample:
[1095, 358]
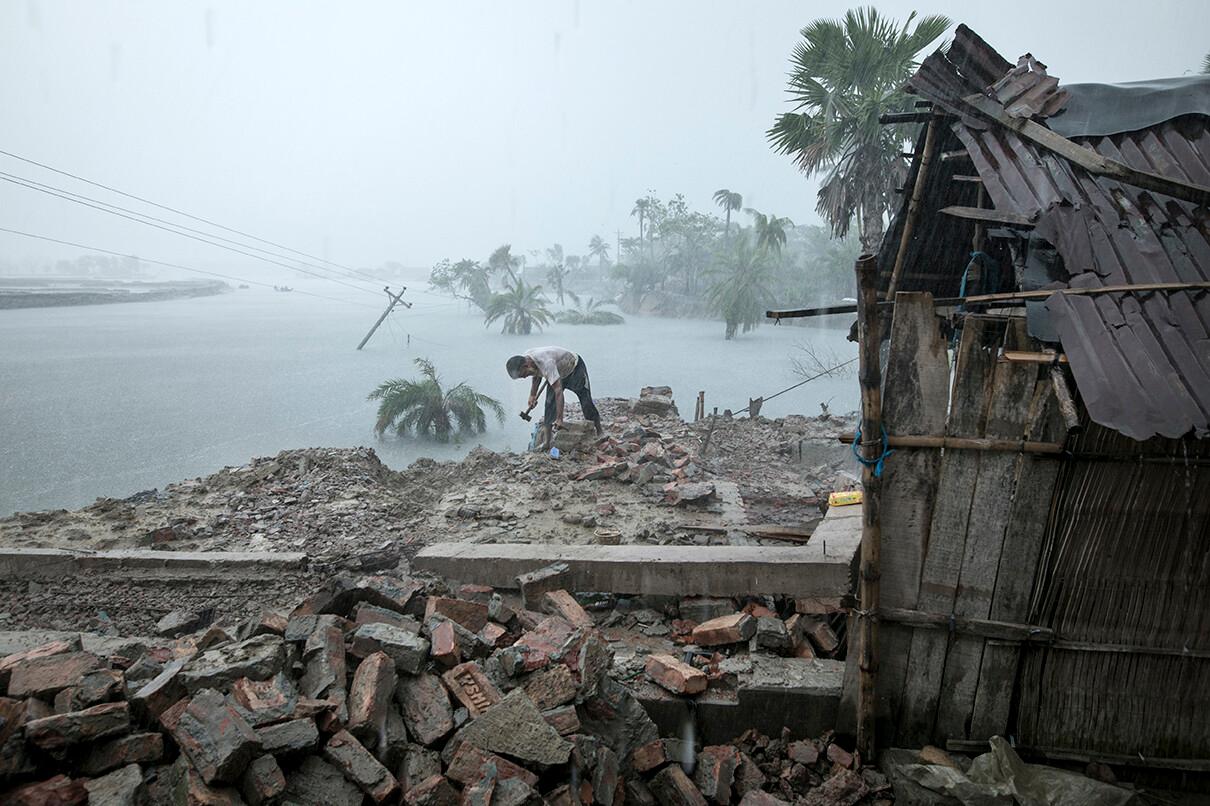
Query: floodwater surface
[108, 400]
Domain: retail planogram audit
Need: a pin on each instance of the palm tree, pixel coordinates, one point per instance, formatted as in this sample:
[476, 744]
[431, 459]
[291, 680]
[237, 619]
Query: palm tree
[844, 75]
[557, 272]
[728, 201]
[589, 313]
[425, 407]
[599, 248]
[1206, 64]
[640, 209]
[770, 230]
[740, 292]
[521, 306]
[502, 259]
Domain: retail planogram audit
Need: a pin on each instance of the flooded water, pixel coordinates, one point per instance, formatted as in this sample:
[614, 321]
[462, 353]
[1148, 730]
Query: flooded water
[109, 400]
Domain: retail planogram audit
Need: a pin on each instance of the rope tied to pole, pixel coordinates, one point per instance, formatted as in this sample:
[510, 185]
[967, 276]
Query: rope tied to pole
[876, 462]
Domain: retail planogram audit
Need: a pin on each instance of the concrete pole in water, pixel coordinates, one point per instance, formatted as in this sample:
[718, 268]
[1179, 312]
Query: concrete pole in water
[870, 375]
[396, 299]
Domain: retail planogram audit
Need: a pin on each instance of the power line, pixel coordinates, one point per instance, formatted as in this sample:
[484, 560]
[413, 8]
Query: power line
[183, 234]
[53, 190]
[183, 213]
[173, 265]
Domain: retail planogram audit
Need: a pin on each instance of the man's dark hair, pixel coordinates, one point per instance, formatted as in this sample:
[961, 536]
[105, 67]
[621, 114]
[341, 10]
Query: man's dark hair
[514, 366]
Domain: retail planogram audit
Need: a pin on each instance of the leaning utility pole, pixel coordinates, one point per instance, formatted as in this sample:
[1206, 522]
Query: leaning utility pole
[396, 299]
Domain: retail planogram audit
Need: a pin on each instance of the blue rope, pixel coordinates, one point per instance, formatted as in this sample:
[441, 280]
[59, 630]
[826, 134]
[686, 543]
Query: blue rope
[877, 462]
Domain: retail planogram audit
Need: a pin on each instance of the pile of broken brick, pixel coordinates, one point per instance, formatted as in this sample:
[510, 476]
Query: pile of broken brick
[378, 690]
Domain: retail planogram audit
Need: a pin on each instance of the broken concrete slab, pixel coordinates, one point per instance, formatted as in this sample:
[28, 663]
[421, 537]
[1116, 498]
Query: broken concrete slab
[515, 727]
[32, 563]
[806, 570]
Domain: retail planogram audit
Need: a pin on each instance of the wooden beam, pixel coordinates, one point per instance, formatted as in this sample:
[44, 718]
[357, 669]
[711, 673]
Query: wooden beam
[1065, 399]
[965, 443]
[891, 118]
[988, 216]
[1086, 158]
[1026, 357]
[986, 628]
[966, 178]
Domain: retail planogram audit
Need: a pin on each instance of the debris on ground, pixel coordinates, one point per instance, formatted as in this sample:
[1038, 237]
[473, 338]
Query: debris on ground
[387, 689]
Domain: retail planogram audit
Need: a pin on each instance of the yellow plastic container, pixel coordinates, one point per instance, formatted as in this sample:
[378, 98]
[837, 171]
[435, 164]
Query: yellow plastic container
[844, 499]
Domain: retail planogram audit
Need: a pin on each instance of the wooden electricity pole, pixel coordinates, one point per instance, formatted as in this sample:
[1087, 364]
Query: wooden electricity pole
[396, 299]
[870, 375]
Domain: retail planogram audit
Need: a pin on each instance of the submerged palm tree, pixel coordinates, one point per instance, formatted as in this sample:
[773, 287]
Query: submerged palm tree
[556, 275]
[740, 292]
[728, 201]
[844, 75]
[425, 407]
[521, 306]
[589, 313]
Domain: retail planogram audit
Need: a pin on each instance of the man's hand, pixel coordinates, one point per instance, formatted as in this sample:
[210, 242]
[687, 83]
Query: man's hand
[533, 401]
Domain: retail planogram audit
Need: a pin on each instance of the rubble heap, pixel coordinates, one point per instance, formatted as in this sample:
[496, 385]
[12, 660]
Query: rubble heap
[381, 689]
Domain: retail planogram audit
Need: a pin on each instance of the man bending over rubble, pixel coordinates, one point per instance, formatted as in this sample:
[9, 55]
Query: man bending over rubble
[561, 369]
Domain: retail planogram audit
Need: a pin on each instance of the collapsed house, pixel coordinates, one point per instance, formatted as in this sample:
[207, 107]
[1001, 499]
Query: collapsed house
[1045, 546]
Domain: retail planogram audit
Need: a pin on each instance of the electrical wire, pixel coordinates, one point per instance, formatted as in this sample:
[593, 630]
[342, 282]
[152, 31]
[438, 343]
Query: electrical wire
[27, 182]
[175, 265]
[183, 213]
[186, 235]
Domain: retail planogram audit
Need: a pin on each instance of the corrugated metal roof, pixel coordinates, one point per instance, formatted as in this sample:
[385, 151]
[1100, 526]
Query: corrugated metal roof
[1141, 361]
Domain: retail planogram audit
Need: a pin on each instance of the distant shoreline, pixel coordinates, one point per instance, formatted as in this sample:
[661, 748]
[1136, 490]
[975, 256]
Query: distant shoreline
[26, 296]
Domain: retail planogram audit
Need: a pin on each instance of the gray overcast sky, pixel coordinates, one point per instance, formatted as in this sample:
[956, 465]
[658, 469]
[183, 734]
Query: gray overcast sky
[408, 131]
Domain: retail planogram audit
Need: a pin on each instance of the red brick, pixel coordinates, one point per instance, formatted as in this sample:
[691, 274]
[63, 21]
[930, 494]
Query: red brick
[672, 787]
[733, 629]
[715, 772]
[9, 662]
[838, 755]
[78, 727]
[158, 694]
[758, 610]
[47, 675]
[359, 766]
[137, 748]
[444, 648]
[535, 648]
[480, 792]
[470, 686]
[805, 752]
[748, 777]
[216, 740]
[821, 634]
[804, 651]
[469, 763]
[471, 615]
[426, 707]
[370, 696]
[550, 687]
[757, 797]
[817, 605]
[432, 791]
[562, 604]
[476, 593]
[366, 613]
[565, 720]
[494, 635]
[393, 593]
[649, 756]
[263, 781]
[675, 675]
[57, 791]
[265, 701]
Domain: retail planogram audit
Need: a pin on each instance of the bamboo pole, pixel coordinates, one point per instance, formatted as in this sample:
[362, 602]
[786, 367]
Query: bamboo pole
[964, 443]
[1067, 403]
[930, 137]
[870, 376]
[1005, 298]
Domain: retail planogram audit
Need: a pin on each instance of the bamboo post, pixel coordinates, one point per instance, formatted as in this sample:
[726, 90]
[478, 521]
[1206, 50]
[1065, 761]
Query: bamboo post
[1067, 403]
[909, 224]
[870, 376]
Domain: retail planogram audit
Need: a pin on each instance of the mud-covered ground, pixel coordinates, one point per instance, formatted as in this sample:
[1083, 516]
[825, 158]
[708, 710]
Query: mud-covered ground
[346, 510]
